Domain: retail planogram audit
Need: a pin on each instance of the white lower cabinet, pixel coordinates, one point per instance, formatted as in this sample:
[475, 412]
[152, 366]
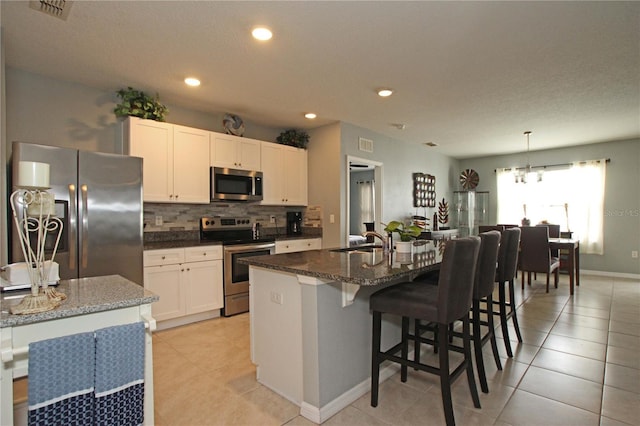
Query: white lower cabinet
[304, 244]
[188, 280]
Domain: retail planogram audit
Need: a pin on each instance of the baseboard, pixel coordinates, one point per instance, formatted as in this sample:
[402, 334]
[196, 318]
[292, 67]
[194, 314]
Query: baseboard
[320, 415]
[188, 319]
[610, 274]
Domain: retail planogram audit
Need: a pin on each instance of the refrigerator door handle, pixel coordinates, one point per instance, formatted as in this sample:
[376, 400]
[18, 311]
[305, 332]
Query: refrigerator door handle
[84, 208]
[72, 231]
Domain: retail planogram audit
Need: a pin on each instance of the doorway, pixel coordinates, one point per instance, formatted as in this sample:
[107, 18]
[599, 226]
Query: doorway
[364, 198]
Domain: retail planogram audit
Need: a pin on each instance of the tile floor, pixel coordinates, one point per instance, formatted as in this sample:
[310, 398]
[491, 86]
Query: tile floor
[578, 364]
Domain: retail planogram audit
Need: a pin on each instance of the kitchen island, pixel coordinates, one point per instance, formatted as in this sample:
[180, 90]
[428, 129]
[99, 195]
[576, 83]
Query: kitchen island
[91, 304]
[311, 325]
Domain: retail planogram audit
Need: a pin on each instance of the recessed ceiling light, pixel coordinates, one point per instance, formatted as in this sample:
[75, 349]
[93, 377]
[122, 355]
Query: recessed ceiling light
[431, 144]
[310, 115]
[399, 126]
[385, 92]
[191, 81]
[262, 33]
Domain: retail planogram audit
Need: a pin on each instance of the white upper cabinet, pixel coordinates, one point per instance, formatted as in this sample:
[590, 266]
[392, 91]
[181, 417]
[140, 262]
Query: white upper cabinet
[191, 165]
[234, 152]
[175, 160]
[153, 141]
[285, 175]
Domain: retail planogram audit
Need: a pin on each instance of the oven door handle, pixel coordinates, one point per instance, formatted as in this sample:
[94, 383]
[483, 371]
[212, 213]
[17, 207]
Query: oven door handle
[248, 247]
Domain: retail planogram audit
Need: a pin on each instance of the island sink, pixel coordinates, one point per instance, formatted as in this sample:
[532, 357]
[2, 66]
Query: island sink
[358, 249]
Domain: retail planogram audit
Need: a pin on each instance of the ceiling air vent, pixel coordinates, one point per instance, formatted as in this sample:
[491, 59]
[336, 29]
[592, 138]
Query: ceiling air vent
[365, 145]
[58, 8]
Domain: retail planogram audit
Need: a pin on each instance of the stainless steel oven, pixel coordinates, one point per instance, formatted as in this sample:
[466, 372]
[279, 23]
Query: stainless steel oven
[236, 275]
[240, 238]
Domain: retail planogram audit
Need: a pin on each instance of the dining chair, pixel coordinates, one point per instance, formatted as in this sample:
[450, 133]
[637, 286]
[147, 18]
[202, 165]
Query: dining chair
[505, 276]
[535, 255]
[554, 232]
[443, 304]
[487, 228]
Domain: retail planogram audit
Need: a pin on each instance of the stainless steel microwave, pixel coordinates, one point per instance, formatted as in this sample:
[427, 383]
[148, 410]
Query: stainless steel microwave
[235, 185]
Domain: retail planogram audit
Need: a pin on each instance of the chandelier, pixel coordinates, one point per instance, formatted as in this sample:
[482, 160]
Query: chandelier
[521, 173]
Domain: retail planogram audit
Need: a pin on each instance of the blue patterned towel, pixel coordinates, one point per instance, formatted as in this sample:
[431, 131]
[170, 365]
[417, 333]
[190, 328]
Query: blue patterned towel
[119, 382]
[61, 377]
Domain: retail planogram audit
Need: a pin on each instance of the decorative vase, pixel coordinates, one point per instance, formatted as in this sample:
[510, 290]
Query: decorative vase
[404, 258]
[404, 246]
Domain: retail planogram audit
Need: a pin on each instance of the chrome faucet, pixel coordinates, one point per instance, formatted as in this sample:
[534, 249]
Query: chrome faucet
[386, 241]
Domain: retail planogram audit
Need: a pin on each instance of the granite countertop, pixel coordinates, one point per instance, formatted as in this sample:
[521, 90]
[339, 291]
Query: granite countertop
[182, 243]
[355, 267]
[159, 245]
[84, 296]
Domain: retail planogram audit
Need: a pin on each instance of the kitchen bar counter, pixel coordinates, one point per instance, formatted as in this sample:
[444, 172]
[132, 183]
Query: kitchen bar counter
[316, 305]
[91, 304]
[354, 267]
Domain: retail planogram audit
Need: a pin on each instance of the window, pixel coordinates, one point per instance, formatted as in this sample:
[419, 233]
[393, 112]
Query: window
[572, 198]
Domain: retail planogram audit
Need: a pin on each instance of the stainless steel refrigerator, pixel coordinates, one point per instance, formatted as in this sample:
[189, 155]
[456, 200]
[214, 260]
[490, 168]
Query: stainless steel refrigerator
[99, 199]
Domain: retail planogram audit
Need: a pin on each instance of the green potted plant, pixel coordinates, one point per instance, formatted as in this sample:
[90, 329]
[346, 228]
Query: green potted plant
[136, 103]
[407, 234]
[293, 137]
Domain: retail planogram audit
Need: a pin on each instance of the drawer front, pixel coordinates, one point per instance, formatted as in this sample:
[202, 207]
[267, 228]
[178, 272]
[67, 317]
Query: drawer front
[163, 257]
[201, 253]
[290, 246]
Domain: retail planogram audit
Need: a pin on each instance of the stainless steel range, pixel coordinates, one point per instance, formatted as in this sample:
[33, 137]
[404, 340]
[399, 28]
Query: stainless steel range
[240, 238]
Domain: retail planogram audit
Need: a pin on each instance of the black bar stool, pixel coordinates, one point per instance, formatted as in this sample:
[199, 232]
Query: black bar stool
[482, 294]
[505, 275]
[443, 304]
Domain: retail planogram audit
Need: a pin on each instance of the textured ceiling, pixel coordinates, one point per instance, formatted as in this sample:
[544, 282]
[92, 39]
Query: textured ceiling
[469, 76]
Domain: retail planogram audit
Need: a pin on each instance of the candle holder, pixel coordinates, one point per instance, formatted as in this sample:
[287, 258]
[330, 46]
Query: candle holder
[37, 219]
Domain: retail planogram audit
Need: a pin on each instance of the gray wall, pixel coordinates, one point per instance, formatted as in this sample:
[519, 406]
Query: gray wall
[54, 112]
[622, 195]
[401, 160]
[328, 150]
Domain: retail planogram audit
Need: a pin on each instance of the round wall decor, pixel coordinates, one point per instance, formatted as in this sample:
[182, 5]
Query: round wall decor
[233, 125]
[469, 179]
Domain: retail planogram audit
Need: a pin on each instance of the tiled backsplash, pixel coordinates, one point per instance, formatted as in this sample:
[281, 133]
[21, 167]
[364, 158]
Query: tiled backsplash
[185, 217]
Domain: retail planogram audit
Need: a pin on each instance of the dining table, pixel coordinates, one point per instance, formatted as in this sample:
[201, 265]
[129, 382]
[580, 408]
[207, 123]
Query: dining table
[572, 245]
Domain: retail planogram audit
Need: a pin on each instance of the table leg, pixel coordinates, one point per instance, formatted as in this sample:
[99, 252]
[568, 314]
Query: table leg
[577, 262]
[572, 270]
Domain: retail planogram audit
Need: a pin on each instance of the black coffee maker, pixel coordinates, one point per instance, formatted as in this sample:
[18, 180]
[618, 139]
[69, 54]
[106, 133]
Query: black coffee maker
[294, 223]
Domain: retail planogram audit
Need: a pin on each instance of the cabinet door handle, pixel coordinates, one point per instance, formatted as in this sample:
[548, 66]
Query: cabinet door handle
[164, 257]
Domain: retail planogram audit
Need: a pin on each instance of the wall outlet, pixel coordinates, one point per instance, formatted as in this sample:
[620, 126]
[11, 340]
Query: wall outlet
[634, 254]
[277, 297]
[272, 219]
[332, 218]
[158, 220]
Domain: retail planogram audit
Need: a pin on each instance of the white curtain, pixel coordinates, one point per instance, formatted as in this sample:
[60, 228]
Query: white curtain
[586, 208]
[572, 198]
[367, 201]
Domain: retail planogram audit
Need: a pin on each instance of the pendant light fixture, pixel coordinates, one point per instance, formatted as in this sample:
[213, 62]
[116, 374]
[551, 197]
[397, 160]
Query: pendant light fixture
[522, 173]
